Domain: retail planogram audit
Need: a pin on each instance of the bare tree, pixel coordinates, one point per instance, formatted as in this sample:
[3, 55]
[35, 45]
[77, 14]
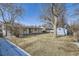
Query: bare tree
[53, 11]
[75, 29]
[10, 13]
[75, 25]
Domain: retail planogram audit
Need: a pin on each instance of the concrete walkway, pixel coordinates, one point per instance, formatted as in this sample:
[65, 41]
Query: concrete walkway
[8, 49]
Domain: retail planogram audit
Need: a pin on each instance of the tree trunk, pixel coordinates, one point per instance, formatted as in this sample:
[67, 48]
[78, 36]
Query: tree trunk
[55, 27]
[6, 29]
[75, 36]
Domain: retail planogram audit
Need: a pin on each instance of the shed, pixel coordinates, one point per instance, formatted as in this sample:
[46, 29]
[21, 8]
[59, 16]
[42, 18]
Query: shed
[61, 31]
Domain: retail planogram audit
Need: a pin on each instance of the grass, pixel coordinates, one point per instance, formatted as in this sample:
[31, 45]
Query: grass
[47, 45]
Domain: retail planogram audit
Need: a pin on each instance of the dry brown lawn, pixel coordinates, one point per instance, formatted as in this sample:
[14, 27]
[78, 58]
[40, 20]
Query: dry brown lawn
[47, 45]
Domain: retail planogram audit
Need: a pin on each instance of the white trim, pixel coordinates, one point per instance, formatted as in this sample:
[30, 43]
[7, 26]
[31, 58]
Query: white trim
[18, 47]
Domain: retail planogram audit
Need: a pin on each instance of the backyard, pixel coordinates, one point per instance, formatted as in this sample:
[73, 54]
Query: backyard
[47, 45]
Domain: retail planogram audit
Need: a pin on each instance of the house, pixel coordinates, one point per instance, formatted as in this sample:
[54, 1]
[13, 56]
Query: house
[21, 29]
[31, 30]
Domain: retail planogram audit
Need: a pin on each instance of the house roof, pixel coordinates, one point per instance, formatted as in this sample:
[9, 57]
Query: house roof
[25, 26]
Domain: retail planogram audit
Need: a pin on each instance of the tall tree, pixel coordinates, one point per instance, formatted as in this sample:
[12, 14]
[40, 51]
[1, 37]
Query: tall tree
[53, 12]
[10, 13]
[75, 24]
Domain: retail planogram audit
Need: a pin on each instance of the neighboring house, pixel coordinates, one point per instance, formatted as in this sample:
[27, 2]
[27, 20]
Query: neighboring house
[23, 30]
[31, 30]
[26, 30]
[48, 30]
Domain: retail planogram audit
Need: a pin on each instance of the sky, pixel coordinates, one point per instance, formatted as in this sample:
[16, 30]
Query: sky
[32, 13]
[71, 18]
